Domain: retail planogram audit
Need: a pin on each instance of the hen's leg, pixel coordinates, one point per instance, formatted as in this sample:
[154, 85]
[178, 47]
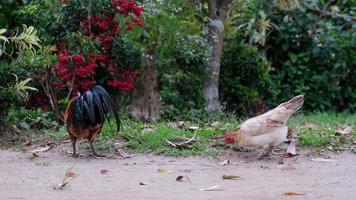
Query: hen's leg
[265, 152]
[94, 152]
[73, 144]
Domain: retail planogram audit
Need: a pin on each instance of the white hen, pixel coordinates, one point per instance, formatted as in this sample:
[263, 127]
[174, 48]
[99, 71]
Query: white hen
[268, 129]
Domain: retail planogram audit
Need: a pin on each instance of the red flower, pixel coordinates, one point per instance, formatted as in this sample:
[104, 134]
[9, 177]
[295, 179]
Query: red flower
[137, 21]
[112, 69]
[78, 59]
[137, 10]
[62, 58]
[86, 84]
[129, 26]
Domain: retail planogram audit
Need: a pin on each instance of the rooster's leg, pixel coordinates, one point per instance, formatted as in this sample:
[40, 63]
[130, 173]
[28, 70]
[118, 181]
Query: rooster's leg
[94, 152]
[73, 144]
[265, 152]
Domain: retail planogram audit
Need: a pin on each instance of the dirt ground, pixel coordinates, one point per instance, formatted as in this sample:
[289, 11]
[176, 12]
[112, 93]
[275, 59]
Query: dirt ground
[24, 178]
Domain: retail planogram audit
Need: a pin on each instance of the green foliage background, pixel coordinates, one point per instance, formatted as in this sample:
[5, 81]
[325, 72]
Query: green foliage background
[273, 51]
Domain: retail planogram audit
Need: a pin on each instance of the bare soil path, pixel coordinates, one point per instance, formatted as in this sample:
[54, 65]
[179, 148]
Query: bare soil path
[24, 178]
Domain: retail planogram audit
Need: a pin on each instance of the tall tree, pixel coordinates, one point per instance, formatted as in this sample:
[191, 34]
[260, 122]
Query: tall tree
[217, 11]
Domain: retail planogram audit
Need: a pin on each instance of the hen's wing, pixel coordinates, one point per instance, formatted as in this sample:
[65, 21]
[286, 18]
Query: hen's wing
[259, 125]
[273, 118]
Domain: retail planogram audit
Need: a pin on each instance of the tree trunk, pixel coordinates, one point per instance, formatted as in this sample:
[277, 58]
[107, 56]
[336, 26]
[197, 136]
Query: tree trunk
[215, 28]
[145, 99]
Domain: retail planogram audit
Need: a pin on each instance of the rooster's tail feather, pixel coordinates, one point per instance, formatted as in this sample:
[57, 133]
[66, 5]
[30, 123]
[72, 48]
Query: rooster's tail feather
[91, 108]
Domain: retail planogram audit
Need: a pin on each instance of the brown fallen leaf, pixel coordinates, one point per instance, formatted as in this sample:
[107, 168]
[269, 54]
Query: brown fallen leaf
[71, 174]
[294, 193]
[104, 171]
[179, 178]
[230, 177]
[122, 153]
[16, 130]
[50, 143]
[28, 142]
[142, 183]
[280, 161]
[35, 155]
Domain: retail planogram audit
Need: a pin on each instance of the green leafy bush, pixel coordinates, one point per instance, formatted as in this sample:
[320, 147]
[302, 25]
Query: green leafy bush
[27, 119]
[126, 54]
[244, 79]
[315, 55]
[181, 80]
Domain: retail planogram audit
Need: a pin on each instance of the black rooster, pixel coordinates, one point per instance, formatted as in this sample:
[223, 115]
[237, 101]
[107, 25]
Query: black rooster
[86, 114]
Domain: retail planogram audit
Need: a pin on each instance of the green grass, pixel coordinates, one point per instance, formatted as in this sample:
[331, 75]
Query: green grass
[155, 141]
[318, 129]
[315, 130]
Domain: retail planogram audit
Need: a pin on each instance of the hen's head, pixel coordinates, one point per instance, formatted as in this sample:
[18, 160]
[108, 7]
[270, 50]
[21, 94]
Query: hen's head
[229, 138]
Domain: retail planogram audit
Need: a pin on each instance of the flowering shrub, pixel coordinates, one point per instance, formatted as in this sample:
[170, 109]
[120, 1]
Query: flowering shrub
[79, 71]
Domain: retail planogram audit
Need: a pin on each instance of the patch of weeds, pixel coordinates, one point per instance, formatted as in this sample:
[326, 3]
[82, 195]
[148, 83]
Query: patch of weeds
[313, 138]
[56, 135]
[320, 130]
[69, 176]
[155, 141]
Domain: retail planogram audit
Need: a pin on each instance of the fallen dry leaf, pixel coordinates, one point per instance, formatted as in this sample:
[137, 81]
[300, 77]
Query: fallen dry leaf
[122, 153]
[104, 171]
[215, 124]
[180, 124]
[162, 171]
[281, 161]
[213, 188]
[49, 143]
[66, 180]
[71, 174]
[193, 128]
[35, 155]
[225, 162]
[230, 177]
[142, 183]
[294, 193]
[28, 142]
[46, 148]
[291, 147]
[179, 178]
[16, 130]
[323, 160]
[147, 130]
[345, 130]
